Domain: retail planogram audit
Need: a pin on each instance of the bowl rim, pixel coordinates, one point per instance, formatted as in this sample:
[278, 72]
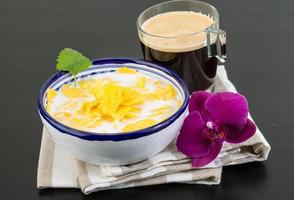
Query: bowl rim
[91, 136]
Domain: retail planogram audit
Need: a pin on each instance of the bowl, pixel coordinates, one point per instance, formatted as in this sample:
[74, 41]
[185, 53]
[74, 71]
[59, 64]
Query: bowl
[114, 148]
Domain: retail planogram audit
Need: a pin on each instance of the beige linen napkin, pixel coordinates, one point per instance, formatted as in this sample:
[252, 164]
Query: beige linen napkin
[59, 169]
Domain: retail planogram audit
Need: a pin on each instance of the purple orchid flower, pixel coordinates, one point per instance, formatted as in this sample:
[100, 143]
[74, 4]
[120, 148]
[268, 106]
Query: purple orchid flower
[212, 120]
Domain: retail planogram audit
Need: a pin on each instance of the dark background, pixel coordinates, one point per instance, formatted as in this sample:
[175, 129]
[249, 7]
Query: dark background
[260, 63]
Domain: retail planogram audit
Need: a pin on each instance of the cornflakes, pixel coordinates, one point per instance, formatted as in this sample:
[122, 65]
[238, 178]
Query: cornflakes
[72, 92]
[126, 70]
[107, 102]
[140, 124]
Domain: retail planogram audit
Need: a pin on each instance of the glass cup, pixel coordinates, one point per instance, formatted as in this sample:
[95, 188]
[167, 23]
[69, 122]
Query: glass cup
[196, 57]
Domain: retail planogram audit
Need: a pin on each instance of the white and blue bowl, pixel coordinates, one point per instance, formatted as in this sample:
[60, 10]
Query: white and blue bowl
[115, 148]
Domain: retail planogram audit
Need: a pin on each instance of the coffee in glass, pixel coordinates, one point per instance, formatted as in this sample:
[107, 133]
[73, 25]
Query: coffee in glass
[184, 36]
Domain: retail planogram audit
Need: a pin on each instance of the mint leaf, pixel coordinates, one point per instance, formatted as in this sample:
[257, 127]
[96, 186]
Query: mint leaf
[72, 61]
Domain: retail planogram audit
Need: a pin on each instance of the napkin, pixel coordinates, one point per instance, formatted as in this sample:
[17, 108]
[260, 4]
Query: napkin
[58, 169]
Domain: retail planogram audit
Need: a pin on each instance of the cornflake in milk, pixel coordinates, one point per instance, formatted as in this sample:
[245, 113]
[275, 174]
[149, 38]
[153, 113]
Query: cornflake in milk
[121, 101]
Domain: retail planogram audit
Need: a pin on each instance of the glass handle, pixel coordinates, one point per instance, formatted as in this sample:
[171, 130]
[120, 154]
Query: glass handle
[221, 46]
[220, 52]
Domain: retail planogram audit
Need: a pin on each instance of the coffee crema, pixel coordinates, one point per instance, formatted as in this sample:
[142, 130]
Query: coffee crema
[177, 31]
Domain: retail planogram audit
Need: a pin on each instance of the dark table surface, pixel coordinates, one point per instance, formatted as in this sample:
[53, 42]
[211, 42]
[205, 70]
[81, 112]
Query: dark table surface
[260, 51]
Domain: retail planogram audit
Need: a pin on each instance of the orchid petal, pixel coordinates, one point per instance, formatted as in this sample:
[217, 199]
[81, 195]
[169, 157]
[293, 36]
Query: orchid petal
[238, 135]
[228, 108]
[197, 103]
[191, 141]
[215, 148]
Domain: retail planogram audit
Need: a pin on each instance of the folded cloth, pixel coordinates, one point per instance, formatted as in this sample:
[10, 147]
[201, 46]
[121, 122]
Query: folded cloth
[58, 169]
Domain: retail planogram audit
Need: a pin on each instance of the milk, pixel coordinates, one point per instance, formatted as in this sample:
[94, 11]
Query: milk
[61, 102]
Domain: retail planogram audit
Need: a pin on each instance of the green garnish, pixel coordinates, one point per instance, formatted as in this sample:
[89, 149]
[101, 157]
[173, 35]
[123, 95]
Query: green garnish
[72, 61]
